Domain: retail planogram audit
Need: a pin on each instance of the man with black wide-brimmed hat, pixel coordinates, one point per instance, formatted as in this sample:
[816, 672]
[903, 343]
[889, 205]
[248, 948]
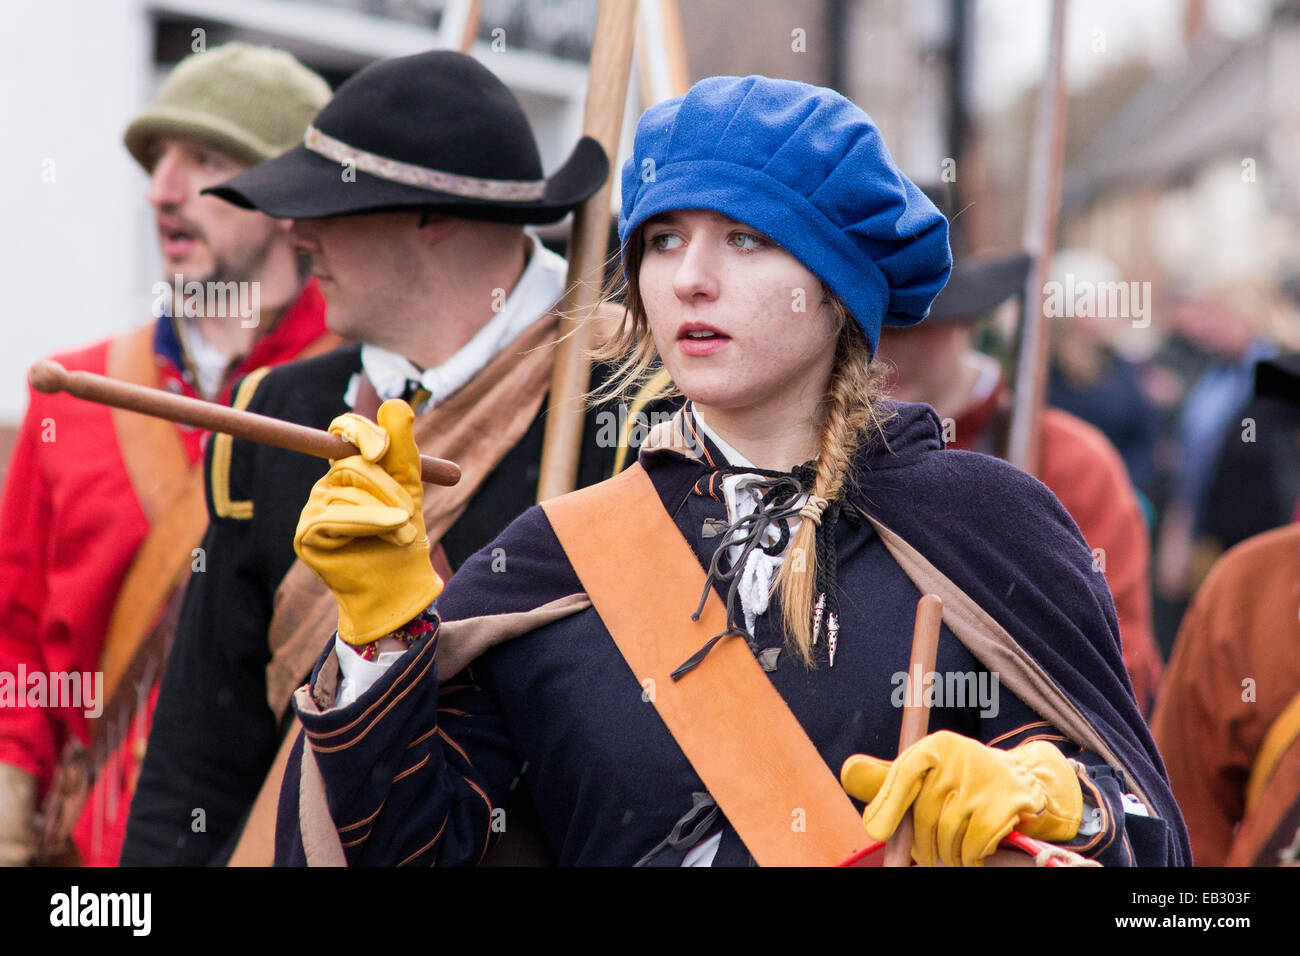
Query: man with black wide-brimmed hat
[937, 363]
[410, 190]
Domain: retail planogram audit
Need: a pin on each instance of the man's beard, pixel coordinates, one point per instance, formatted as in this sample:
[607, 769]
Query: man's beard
[241, 268]
[227, 268]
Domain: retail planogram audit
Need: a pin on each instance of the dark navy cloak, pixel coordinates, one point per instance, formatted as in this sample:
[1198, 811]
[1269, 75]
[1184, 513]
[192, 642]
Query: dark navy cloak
[417, 774]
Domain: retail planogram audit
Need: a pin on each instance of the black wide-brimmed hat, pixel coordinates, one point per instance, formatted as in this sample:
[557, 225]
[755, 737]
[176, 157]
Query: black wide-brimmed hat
[435, 132]
[977, 286]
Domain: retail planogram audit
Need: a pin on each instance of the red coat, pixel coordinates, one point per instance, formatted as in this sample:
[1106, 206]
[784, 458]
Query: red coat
[72, 523]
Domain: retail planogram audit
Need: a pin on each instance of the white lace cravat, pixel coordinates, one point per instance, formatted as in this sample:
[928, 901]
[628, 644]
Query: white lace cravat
[759, 573]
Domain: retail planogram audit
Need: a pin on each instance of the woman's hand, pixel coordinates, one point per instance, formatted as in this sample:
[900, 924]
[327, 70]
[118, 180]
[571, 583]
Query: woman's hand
[362, 530]
[965, 796]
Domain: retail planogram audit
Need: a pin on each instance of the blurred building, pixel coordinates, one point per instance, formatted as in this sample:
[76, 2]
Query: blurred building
[1192, 180]
[894, 58]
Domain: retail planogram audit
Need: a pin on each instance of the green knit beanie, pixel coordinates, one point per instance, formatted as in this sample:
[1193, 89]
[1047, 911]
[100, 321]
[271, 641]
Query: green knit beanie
[253, 102]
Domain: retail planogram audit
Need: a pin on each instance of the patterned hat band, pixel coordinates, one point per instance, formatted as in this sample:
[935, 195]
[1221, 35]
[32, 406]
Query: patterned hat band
[467, 187]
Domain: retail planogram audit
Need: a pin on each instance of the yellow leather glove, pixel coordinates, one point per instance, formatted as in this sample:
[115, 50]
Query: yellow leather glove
[965, 796]
[362, 530]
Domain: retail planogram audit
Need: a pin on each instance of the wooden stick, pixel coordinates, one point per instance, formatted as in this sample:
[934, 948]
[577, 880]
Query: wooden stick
[916, 709]
[470, 32]
[611, 62]
[1044, 200]
[51, 377]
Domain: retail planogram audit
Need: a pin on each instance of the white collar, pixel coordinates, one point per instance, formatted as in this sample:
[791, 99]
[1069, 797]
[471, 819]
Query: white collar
[210, 364]
[990, 374]
[538, 289]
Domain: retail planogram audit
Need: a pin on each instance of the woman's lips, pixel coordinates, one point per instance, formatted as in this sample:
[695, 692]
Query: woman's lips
[690, 346]
[696, 338]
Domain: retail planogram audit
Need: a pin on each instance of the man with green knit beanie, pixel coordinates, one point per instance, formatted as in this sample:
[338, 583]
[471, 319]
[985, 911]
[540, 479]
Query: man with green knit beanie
[116, 502]
[218, 113]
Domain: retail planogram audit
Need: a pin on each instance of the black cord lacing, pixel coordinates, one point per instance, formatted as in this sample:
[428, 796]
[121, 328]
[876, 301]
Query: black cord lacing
[777, 505]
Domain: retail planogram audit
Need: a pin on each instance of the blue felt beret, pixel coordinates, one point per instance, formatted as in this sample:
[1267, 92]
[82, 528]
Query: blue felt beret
[806, 167]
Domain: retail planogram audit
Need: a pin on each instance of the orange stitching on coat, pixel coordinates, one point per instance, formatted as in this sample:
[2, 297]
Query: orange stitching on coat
[455, 746]
[362, 735]
[436, 837]
[1105, 821]
[410, 770]
[421, 739]
[487, 834]
[1020, 729]
[427, 649]
[361, 823]
[699, 442]
[1033, 737]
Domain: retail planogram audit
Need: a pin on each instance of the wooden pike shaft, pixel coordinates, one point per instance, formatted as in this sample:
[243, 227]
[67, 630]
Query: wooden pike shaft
[470, 30]
[50, 377]
[916, 711]
[1044, 200]
[611, 60]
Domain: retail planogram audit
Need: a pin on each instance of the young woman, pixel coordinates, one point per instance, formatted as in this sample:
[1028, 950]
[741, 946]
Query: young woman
[767, 237]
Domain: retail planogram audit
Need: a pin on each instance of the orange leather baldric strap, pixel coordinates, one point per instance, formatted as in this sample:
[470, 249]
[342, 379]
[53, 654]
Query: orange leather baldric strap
[730, 722]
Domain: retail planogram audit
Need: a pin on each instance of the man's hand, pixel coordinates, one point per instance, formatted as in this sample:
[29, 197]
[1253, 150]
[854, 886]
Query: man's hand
[965, 796]
[17, 811]
[362, 530]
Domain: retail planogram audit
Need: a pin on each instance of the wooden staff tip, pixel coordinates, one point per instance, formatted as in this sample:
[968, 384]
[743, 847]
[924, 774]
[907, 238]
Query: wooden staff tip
[48, 377]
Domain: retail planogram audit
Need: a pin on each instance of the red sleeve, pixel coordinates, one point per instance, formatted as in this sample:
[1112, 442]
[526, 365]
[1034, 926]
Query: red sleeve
[71, 524]
[27, 736]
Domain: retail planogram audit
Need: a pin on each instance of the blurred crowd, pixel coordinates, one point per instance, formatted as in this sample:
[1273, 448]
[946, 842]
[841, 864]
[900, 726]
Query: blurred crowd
[1203, 407]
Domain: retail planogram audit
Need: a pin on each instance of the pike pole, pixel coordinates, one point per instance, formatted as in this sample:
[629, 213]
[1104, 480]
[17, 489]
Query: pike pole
[611, 63]
[1044, 200]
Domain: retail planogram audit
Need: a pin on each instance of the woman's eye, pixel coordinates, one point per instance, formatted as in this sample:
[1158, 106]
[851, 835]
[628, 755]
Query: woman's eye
[747, 241]
[664, 241]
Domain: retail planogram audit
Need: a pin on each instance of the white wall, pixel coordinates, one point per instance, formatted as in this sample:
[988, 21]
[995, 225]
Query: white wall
[72, 264]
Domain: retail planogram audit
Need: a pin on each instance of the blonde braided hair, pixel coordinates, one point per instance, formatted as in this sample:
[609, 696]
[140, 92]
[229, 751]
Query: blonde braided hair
[851, 412]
